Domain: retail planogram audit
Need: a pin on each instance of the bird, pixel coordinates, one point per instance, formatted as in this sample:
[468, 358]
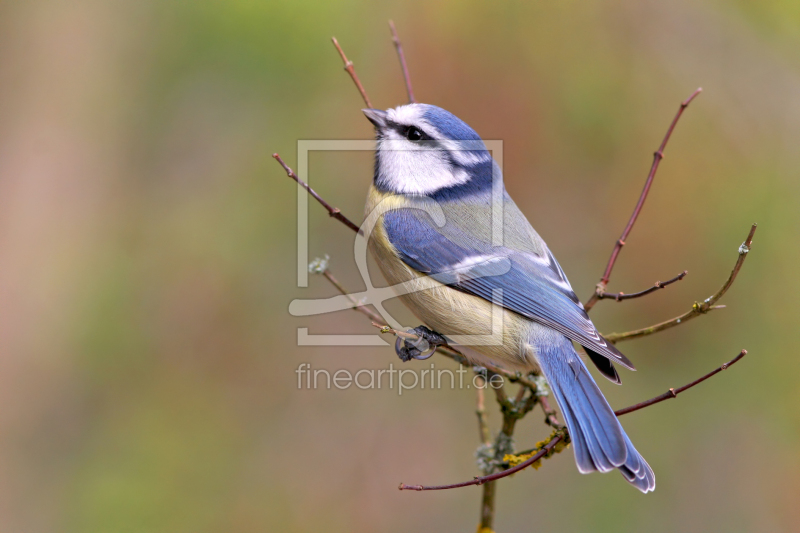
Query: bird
[437, 204]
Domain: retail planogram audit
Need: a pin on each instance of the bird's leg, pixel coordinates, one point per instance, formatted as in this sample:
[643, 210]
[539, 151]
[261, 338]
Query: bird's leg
[420, 348]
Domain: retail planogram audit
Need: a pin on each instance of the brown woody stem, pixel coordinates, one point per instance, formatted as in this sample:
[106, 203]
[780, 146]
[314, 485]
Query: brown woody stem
[332, 211]
[399, 47]
[348, 66]
[549, 413]
[619, 296]
[698, 308]
[673, 393]
[657, 157]
[491, 477]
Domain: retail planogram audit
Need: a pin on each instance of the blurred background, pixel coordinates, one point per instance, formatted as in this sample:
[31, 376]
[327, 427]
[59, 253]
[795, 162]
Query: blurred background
[148, 258]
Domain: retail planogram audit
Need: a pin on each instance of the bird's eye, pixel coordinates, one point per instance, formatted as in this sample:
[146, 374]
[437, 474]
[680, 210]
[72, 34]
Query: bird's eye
[414, 134]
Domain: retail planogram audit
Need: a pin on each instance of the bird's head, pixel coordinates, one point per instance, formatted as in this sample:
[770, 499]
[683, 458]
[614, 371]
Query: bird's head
[424, 150]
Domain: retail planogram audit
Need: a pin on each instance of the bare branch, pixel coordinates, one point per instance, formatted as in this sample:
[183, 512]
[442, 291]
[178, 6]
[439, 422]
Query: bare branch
[396, 332]
[487, 507]
[332, 211]
[356, 304]
[698, 308]
[673, 393]
[559, 435]
[619, 296]
[480, 411]
[502, 397]
[402, 57]
[512, 410]
[520, 394]
[549, 414]
[491, 477]
[657, 157]
[348, 66]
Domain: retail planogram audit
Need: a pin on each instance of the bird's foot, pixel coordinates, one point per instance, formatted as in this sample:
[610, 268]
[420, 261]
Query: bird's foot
[422, 347]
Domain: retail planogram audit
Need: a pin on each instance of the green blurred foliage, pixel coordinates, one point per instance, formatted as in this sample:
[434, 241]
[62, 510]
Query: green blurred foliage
[148, 257]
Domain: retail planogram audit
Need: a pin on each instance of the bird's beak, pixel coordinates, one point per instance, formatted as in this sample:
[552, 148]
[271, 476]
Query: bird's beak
[376, 116]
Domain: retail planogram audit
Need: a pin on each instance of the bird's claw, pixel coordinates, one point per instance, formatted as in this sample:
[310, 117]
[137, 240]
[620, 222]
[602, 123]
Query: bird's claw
[422, 347]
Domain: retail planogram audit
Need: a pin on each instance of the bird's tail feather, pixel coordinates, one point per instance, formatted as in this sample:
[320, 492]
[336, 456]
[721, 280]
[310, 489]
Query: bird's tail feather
[598, 439]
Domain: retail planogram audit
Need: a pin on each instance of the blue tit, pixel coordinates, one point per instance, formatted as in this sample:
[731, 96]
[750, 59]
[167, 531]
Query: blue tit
[434, 201]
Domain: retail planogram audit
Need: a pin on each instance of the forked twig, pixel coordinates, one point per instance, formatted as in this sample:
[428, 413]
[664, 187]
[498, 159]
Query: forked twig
[399, 47]
[657, 157]
[698, 308]
[549, 413]
[619, 296]
[672, 393]
[348, 66]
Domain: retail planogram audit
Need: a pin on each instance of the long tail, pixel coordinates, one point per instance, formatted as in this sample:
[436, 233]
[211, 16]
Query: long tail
[598, 439]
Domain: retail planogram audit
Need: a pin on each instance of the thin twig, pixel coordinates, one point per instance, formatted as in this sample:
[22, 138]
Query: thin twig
[396, 332]
[356, 304]
[491, 477]
[480, 411]
[549, 413]
[348, 66]
[619, 296]
[514, 377]
[332, 211]
[673, 393]
[402, 57]
[657, 157]
[698, 308]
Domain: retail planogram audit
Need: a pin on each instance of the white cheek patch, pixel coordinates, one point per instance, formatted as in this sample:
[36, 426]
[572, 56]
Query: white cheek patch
[409, 169]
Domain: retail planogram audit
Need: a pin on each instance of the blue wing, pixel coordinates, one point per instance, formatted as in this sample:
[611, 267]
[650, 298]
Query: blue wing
[532, 285]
